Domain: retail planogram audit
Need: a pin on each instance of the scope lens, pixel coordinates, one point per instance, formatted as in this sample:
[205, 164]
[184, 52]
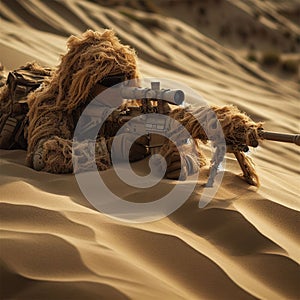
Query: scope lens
[179, 97]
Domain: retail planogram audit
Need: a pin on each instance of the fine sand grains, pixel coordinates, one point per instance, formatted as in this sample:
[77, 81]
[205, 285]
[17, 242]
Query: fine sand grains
[242, 245]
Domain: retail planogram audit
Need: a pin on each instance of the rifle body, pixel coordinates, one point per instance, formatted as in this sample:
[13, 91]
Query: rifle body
[149, 119]
[151, 122]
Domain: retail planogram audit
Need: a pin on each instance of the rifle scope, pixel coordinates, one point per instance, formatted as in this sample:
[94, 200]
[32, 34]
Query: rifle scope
[153, 93]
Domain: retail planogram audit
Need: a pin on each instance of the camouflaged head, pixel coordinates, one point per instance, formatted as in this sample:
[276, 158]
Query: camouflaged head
[91, 58]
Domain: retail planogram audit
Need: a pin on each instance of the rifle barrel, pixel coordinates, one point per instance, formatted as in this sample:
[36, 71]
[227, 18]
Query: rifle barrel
[281, 137]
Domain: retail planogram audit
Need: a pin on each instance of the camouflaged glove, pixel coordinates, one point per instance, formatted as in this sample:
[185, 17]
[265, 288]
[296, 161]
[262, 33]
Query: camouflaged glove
[175, 169]
[125, 142]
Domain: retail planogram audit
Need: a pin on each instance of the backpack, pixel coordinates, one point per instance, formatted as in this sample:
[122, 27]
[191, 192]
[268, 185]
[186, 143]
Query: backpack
[13, 105]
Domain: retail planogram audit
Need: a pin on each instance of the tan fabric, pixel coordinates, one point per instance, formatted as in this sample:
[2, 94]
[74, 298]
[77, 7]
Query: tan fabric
[237, 127]
[129, 143]
[54, 110]
[192, 159]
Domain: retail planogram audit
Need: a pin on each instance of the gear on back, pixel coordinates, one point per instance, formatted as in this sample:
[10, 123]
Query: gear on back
[13, 105]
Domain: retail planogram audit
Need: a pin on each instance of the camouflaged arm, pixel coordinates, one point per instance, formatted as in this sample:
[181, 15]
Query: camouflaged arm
[55, 156]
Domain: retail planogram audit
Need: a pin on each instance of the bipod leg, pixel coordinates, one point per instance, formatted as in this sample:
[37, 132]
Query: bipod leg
[216, 162]
[245, 163]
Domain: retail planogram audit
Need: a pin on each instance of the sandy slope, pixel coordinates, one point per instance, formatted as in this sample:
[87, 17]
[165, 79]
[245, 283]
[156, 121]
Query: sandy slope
[243, 245]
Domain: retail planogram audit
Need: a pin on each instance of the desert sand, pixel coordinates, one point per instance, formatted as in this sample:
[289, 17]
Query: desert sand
[243, 245]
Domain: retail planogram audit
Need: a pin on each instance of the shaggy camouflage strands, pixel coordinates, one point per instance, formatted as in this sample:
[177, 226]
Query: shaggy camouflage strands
[54, 110]
[238, 129]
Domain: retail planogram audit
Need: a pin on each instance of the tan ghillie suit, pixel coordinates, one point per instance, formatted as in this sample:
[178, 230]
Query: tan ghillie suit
[54, 110]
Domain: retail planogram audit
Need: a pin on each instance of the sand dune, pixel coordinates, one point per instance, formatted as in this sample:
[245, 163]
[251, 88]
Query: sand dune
[243, 245]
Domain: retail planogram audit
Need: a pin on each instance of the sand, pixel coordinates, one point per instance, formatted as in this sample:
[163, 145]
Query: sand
[243, 245]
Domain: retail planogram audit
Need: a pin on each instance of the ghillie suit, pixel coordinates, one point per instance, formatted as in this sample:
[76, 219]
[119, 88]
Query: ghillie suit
[55, 110]
[91, 61]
